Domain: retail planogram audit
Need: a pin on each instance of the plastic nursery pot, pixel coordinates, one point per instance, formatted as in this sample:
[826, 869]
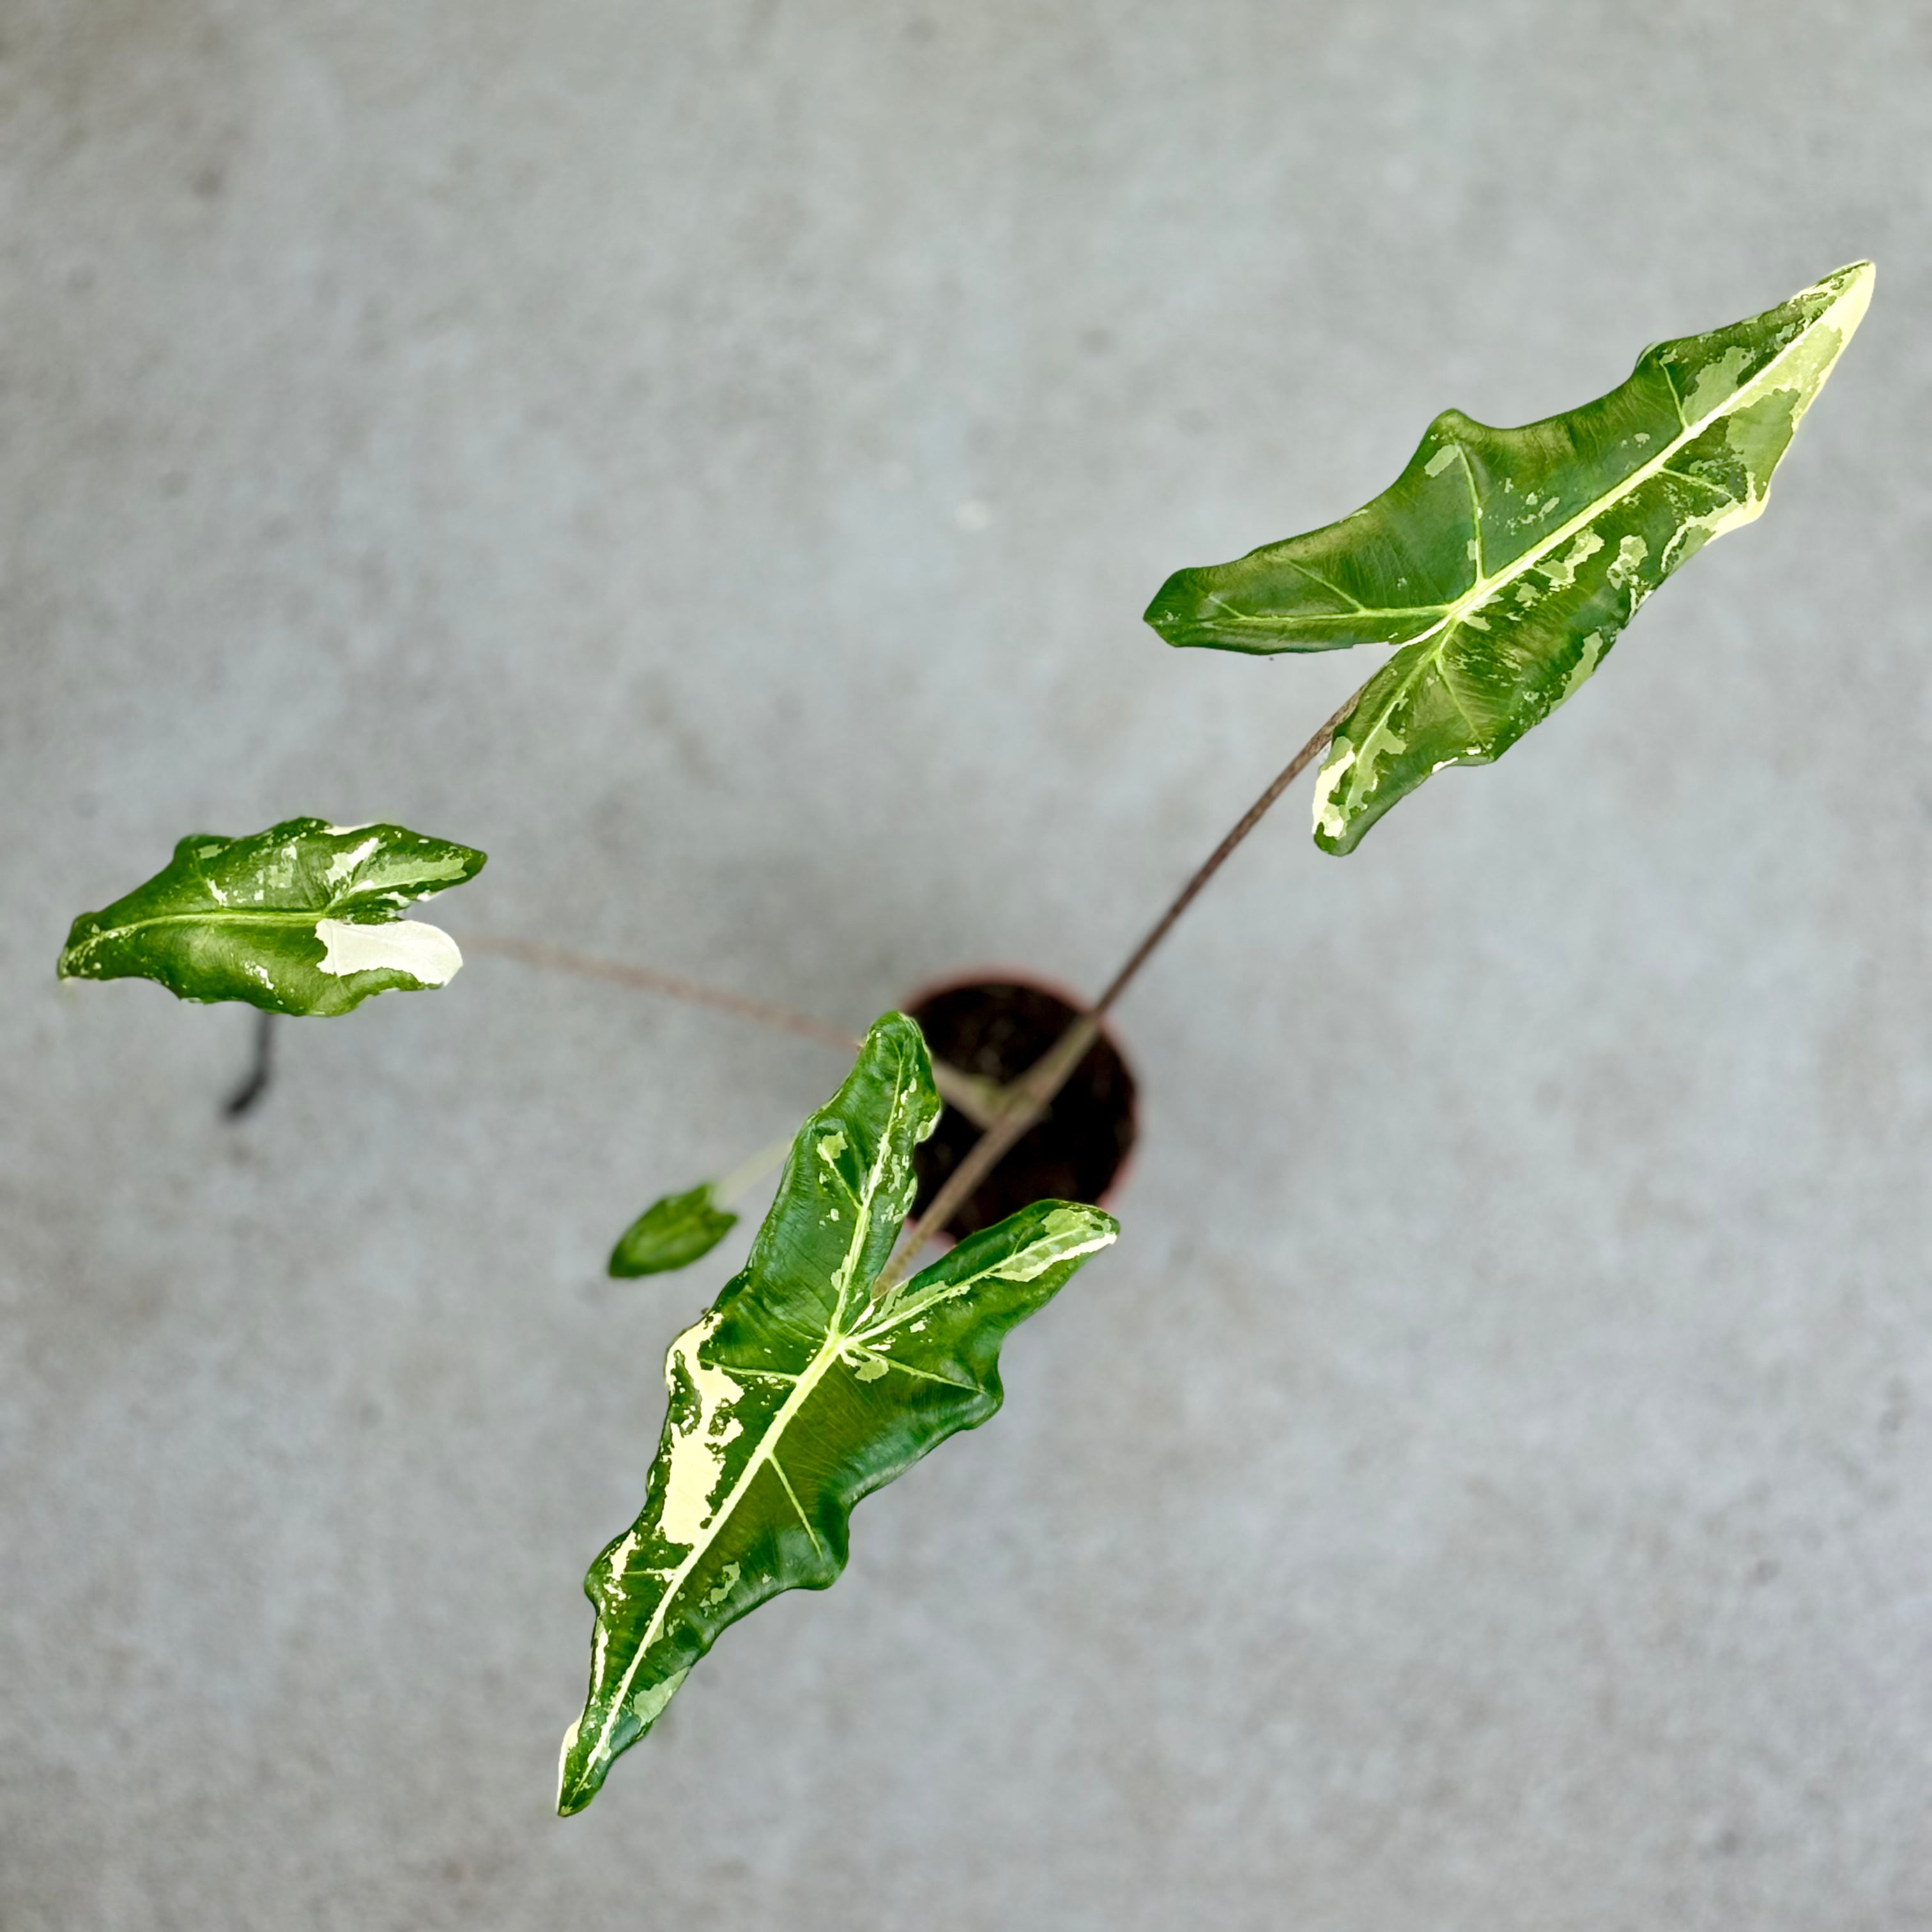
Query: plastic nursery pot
[997, 1027]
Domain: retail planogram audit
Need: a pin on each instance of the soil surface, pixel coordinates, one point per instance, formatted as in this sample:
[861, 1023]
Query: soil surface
[998, 1029]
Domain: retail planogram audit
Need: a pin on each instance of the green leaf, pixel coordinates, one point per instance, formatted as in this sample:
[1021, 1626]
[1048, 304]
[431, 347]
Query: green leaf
[672, 1233]
[303, 918]
[798, 1393]
[1505, 561]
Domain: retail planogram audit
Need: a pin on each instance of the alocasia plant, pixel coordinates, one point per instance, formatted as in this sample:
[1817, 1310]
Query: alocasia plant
[1502, 563]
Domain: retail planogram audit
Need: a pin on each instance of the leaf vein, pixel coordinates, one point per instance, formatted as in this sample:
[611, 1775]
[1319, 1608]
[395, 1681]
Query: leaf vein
[778, 1469]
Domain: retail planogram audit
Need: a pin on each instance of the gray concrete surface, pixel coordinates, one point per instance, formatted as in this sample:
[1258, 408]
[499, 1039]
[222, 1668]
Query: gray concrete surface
[1490, 1485]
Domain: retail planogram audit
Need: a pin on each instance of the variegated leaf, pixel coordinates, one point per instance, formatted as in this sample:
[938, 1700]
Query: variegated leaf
[1505, 561]
[799, 1392]
[304, 918]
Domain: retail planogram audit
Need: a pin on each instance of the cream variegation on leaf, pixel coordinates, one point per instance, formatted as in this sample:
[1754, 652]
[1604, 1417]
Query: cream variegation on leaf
[1504, 562]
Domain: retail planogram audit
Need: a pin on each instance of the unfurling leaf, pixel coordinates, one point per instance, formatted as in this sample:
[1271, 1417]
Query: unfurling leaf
[798, 1393]
[303, 918]
[1505, 561]
[672, 1233]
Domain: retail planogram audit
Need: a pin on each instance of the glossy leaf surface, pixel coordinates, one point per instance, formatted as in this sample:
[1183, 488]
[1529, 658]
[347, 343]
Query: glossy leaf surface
[672, 1233]
[1505, 561]
[798, 1393]
[304, 918]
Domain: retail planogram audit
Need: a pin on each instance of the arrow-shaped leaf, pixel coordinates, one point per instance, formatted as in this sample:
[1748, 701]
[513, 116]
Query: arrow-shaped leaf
[303, 918]
[798, 1393]
[1505, 561]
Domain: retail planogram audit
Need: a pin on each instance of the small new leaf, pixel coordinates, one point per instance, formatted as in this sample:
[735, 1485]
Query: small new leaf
[672, 1233]
[303, 918]
[1505, 561]
[798, 1393]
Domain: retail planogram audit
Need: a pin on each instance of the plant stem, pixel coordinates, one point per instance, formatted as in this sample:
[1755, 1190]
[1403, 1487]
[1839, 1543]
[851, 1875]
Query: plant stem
[727, 1188]
[1029, 1096]
[977, 1099]
[532, 952]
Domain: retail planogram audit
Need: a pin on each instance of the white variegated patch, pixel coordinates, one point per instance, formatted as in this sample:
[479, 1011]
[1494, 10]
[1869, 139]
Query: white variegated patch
[697, 1442]
[426, 952]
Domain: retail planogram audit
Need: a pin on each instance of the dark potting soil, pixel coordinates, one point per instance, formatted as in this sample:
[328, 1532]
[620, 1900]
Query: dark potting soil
[998, 1029]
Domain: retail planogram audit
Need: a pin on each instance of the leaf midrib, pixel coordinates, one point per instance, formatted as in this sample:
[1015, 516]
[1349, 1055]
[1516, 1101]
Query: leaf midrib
[1484, 588]
[765, 1451]
[220, 915]
[836, 1336]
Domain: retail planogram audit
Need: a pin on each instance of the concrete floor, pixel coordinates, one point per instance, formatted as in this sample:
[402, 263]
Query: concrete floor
[714, 458]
